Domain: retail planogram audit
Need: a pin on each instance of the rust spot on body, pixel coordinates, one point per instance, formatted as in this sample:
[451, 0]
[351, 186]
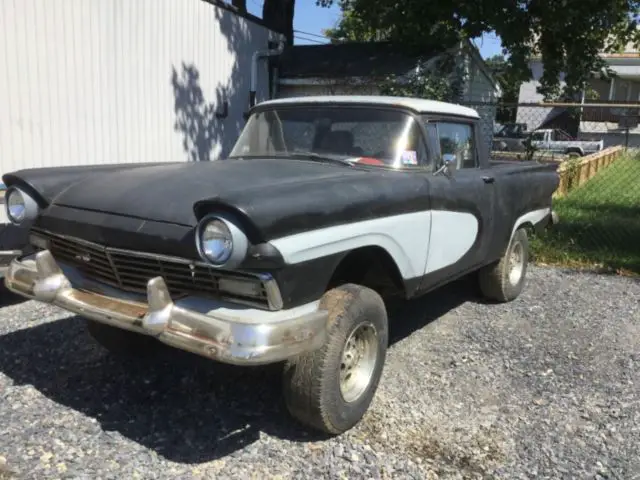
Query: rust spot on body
[90, 299]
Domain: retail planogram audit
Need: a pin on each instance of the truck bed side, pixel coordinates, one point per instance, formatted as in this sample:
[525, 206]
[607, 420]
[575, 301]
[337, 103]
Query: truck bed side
[520, 188]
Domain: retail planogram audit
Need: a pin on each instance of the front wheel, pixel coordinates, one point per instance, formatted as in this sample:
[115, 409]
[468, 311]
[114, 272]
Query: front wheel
[504, 280]
[330, 389]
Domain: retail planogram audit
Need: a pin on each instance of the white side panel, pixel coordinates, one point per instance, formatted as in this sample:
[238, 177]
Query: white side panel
[405, 237]
[532, 217]
[92, 81]
[452, 235]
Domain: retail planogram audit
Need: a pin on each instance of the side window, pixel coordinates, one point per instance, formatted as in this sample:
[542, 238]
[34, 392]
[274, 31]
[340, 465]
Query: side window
[537, 137]
[455, 140]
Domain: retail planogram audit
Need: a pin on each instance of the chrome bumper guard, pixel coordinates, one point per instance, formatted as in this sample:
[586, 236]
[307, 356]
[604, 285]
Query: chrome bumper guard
[6, 257]
[219, 334]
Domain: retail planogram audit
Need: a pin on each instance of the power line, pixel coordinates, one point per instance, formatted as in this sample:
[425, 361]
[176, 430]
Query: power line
[324, 37]
[311, 40]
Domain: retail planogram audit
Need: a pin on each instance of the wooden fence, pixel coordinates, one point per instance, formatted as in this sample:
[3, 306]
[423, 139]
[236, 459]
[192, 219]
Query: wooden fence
[577, 172]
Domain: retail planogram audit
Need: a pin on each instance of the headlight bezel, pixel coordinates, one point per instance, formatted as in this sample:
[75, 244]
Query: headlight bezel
[31, 208]
[239, 241]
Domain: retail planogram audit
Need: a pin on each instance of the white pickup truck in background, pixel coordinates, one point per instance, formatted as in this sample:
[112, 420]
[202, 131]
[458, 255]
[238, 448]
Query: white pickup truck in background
[552, 140]
[559, 141]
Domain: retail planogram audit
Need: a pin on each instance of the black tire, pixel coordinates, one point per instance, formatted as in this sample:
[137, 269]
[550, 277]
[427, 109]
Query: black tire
[496, 282]
[123, 343]
[312, 381]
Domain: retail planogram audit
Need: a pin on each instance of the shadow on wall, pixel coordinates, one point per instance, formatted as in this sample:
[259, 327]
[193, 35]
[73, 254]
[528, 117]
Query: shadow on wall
[195, 118]
[208, 128]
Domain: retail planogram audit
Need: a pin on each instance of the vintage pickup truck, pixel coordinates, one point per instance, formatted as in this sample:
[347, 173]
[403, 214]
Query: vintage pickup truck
[285, 251]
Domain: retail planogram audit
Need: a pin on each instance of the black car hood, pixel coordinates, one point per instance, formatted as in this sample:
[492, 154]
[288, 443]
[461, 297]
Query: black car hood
[273, 197]
[168, 192]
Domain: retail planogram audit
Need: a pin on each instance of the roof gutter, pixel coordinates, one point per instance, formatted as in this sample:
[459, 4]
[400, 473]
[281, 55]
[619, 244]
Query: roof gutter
[260, 54]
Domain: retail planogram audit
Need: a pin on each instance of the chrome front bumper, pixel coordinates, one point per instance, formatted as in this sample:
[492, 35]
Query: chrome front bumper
[221, 331]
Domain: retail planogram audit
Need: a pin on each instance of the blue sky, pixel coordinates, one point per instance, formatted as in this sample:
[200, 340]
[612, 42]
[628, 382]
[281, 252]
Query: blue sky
[312, 19]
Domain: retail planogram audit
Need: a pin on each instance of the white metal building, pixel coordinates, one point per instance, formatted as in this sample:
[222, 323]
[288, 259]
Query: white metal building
[114, 81]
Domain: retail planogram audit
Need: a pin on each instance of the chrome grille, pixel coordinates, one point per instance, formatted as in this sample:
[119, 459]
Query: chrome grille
[131, 271]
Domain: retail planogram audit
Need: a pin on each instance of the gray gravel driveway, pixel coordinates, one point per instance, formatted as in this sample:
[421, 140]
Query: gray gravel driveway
[544, 387]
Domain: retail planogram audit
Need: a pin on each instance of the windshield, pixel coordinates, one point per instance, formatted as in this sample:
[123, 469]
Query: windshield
[362, 135]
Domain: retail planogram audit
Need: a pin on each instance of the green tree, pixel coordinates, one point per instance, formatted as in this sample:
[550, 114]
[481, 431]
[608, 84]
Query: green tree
[441, 81]
[504, 75]
[568, 35]
[509, 82]
[352, 29]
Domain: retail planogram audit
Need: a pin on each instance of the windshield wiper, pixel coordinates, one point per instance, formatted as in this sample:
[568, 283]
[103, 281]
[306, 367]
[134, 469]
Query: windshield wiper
[317, 157]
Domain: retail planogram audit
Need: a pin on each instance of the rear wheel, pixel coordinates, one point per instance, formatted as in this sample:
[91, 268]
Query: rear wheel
[123, 343]
[504, 280]
[331, 389]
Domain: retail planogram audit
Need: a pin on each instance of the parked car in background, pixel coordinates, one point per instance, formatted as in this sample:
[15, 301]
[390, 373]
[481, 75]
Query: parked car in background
[558, 141]
[552, 140]
[509, 136]
[286, 250]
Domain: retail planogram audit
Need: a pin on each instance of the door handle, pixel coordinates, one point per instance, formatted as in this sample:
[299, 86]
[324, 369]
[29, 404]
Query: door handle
[487, 179]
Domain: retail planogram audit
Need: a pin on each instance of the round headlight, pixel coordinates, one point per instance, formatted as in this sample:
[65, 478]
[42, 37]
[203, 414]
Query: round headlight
[16, 206]
[20, 207]
[216, 242]
[221, 242]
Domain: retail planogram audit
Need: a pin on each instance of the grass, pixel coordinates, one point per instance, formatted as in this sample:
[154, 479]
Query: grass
[599, 223]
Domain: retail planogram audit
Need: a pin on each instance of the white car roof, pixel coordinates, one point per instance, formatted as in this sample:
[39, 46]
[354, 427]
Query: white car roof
[418, 104]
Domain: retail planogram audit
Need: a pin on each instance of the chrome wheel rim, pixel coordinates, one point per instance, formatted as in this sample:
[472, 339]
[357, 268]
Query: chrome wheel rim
[359, 357]
[516, 263]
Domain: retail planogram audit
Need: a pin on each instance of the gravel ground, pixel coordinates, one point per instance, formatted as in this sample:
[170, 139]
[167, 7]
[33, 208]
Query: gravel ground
[544, 387]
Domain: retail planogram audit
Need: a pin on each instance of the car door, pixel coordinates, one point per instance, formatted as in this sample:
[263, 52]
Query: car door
[561, 141]
[462, 204]
[539, 140]
[557, 141]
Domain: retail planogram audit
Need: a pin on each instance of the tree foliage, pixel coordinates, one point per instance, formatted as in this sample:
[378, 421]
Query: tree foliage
[353, 29]
[568, 35]
[509, 83]
[421, 85]
[440, 81]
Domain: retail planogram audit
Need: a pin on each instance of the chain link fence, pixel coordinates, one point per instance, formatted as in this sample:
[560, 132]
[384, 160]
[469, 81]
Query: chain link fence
[596, 148]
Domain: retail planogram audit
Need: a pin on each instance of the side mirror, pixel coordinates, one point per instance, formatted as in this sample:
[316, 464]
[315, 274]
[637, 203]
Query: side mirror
[449, 165]
[449, 159]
